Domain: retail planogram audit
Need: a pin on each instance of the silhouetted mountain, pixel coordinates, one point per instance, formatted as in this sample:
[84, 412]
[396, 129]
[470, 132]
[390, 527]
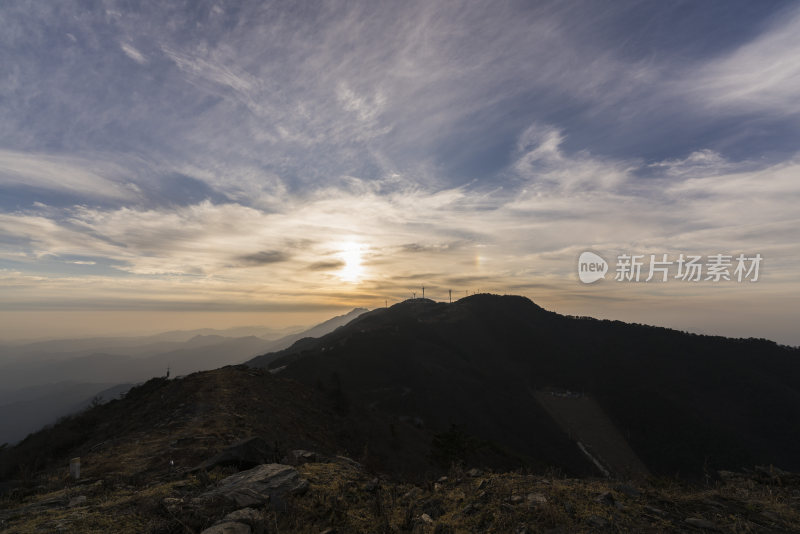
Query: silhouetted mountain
[190, 419]
[318, 330]
[488, 381]
[684, 403]
[163, 459]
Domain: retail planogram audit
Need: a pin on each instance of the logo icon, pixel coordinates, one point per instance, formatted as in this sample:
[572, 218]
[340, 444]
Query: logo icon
[591, 267]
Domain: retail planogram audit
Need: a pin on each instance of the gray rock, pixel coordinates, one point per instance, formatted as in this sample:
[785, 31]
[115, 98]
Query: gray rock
[300, 457]
[229, 527]
[536, 498]
[348, 461]
[700, 523]
[426, 518]
[474, 472]
[80, 500]
[654, 510]
[250, 516]
[259, 485]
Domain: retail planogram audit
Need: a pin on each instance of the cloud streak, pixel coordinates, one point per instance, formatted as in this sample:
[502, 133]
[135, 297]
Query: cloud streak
[63, 173]
[762, 75]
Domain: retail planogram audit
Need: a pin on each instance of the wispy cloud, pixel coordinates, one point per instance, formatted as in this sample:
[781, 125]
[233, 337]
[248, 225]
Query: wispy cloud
[132, 53]
[264, 257]
[761, 75]
[84, 177]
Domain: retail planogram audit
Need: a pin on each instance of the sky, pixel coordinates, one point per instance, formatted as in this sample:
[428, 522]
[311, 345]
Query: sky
[199, 163]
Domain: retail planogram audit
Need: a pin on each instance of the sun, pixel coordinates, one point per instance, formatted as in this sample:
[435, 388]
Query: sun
[351, 256]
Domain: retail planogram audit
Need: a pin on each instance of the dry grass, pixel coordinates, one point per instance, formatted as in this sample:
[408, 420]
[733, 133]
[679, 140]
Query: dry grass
[344, 497]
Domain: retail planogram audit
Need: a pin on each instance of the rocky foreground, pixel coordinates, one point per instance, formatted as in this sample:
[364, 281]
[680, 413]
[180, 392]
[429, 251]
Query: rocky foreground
[338, 495]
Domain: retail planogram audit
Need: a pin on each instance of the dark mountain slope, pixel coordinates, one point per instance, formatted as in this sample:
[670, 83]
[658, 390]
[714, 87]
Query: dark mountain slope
[189, 420]
[316, 331]
[685, 402]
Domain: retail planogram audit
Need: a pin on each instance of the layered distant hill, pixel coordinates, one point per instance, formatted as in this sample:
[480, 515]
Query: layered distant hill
[578, 393]
[41, 381]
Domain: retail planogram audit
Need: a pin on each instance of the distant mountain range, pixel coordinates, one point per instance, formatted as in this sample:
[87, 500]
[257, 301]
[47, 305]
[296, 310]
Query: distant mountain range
[41, 381]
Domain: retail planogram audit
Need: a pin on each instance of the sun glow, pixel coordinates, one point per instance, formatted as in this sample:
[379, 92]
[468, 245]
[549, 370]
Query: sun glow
[352, 270]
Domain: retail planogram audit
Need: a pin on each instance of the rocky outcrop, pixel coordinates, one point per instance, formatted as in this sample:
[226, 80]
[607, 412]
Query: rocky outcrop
[260, 485]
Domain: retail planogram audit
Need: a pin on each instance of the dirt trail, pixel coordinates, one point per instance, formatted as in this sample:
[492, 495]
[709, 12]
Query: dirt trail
[586, 423]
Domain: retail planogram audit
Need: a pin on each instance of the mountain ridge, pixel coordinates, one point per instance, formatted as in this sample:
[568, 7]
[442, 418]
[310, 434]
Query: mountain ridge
[676, 395]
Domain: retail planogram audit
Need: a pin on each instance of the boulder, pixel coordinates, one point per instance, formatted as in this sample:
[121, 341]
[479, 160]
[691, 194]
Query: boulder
[260, 485]
[536, 498]
[300, 457]
[251, 516]
[80, 500]
[349, 462]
